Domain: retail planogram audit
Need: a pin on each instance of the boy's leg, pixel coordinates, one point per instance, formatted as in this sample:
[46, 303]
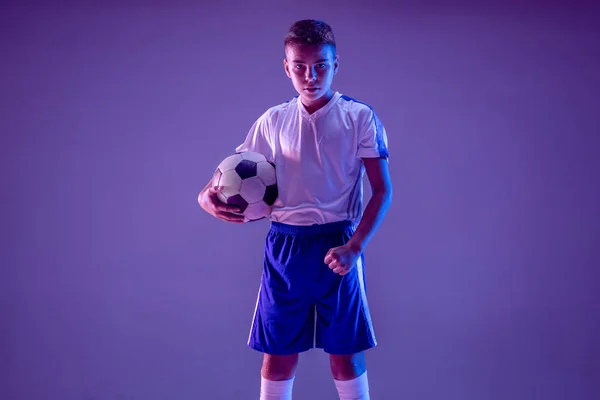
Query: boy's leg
[350, 376]
[344, 326]
[347, 367]
[283, 321]
[277, 376]
[279, 368]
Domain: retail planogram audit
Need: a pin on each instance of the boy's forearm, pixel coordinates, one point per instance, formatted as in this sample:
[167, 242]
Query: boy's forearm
[377, 207]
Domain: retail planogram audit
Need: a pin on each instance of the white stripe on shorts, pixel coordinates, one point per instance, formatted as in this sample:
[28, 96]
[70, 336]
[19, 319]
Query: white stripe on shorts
[254, 315]
[363, 295]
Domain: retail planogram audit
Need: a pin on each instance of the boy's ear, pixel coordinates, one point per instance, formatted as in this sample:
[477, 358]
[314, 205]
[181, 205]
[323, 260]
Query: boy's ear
[286, 68]
[336, 64]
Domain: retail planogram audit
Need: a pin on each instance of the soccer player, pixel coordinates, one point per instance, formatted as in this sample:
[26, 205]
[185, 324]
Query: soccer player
[313, 291]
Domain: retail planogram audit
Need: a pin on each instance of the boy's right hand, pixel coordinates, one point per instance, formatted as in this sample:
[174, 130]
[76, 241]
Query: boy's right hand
[210, 203]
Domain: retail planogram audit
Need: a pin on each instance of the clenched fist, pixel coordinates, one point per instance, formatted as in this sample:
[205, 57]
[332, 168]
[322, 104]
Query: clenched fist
[342, 259]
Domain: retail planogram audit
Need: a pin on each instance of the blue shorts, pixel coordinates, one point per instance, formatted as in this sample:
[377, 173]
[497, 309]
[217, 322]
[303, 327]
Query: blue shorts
[302, 304]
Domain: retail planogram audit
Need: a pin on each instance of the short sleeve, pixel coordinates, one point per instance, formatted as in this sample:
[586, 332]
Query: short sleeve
[259, 138]
[372, 138]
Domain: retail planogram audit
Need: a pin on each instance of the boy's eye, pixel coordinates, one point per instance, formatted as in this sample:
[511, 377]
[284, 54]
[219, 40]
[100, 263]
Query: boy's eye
[300, 66]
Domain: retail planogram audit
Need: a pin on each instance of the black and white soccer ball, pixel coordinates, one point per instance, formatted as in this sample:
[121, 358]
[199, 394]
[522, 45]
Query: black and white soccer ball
[248, 181]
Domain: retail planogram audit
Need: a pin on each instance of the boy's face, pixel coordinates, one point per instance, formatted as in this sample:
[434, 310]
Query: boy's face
[311, 69]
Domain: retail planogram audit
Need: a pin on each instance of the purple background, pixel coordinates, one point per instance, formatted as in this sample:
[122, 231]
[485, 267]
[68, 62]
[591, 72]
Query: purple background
[115, 285]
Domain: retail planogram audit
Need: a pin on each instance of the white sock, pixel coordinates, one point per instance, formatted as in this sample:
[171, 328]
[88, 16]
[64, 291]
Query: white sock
[354, 389]
[276, 390]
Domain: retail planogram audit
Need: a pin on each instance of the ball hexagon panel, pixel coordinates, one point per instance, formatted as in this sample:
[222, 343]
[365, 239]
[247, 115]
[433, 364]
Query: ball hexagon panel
[246, 169]
[253, 156]
[231, 183]
[230, 162]
[252, 189]
[222, 198]
[216, 176]
[257, 210]
[266, 172]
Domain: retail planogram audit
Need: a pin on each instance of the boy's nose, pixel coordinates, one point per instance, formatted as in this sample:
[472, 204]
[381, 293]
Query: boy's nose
[311, 75]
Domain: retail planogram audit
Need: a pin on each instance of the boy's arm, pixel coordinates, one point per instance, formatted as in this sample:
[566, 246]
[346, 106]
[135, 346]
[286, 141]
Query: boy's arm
[341, 259]
[381, 185]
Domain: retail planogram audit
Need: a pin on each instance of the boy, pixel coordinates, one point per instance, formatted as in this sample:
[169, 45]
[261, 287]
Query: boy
[312, 292]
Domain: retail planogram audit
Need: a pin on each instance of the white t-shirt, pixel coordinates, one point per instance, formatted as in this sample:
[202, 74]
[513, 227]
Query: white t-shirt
[318, 157]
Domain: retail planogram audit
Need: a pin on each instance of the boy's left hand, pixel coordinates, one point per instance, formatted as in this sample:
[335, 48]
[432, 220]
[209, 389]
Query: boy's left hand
[342, 259]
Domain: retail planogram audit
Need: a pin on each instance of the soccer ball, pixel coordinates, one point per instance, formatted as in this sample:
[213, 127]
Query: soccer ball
[248, 181]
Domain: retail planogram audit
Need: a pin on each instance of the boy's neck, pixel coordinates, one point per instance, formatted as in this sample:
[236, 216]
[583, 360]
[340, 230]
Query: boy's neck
[311, 108]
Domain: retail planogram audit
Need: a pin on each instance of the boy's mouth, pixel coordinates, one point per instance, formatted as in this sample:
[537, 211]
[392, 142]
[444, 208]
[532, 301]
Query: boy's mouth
[311, 89]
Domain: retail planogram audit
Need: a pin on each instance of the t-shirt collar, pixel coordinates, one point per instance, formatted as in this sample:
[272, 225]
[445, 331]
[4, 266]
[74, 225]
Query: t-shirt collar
[322, 110]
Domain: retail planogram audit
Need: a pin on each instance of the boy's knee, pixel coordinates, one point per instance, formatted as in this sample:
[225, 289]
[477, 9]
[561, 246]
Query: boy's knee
[279, 368]
[347, 367]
